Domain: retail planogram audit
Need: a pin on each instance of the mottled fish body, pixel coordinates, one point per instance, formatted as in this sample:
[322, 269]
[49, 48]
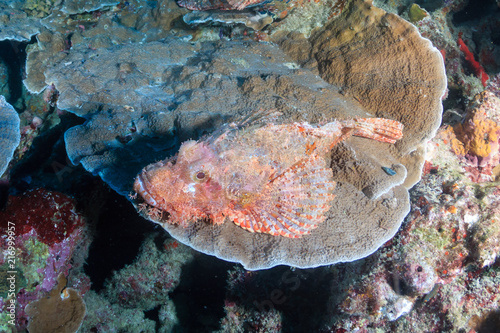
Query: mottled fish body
[271, 178]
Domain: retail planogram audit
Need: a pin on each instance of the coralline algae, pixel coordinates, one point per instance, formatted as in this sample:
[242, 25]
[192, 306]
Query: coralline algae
[48, 231]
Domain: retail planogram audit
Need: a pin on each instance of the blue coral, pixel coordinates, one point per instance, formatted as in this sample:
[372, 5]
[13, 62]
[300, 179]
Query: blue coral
[10, 135]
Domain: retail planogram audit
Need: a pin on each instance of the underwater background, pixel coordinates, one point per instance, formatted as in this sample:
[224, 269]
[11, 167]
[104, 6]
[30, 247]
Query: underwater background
[94, 91]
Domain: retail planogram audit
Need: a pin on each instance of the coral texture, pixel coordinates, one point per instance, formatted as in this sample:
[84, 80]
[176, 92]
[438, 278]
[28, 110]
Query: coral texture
[61, 311]
[48, 231]
[15, 24]
[157, 94]
[371, 81]
[143, 82]
[155, 273]
[52, 215]
[477, 139]
[11, 135]
[217, 4]
[142, 286]
[139, 124]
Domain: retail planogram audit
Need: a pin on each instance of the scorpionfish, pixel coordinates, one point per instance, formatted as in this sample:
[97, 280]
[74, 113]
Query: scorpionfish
[267, 178]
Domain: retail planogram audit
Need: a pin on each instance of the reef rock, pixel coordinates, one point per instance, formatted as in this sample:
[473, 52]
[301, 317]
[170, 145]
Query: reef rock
[217, 4]
[15, 24]
[142, 100]
[476, 140]
[82, 6]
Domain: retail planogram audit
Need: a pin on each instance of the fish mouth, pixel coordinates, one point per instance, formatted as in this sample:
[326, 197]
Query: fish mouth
[141, 186]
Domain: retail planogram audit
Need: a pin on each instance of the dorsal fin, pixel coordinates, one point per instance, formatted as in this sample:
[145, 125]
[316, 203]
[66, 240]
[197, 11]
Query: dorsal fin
[293, 203]
[260, 117]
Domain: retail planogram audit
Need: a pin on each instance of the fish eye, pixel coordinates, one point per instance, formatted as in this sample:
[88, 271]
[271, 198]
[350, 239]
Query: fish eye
[199, 176]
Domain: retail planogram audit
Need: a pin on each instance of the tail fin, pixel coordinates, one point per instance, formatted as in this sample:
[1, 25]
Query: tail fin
[380, 129]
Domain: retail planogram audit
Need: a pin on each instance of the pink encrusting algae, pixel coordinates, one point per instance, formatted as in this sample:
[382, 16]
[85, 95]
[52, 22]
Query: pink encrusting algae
[271, 178]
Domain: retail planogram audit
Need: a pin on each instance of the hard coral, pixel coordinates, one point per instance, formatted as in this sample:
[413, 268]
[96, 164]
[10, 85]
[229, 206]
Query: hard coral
[62, 311]
[341, 51]
[15, 24]
[217, 4]
[147, 282]
[10, 137]
[477, 138]
[214, 99]
[222, 81]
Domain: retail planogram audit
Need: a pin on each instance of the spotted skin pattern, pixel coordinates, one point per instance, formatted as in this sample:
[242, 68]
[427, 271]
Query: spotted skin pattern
[267, 178]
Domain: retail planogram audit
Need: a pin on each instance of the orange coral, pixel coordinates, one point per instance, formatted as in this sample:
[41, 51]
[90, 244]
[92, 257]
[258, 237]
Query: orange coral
[478, 135]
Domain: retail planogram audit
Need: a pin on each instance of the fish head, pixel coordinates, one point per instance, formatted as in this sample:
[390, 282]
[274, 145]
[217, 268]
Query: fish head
[185, 186]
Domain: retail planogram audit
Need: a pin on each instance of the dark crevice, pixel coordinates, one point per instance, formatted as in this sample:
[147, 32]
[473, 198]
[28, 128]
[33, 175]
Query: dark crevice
[46, 163]
[120, 232]
[490, 323]
[201, 291]
[154, 315]
[475, 10]
[430, 5]
[13, 54]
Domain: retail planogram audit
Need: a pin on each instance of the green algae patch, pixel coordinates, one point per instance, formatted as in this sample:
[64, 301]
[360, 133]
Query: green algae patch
[433, 238]
[36, 256]
[416, 13]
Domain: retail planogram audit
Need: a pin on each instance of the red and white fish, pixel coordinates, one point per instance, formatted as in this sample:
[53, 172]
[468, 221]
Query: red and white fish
[268, 178]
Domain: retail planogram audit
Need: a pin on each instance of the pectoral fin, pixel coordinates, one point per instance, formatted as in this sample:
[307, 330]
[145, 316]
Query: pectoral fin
[293, 202]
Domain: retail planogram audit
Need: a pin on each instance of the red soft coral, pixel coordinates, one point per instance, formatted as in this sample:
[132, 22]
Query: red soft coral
[476, 66]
